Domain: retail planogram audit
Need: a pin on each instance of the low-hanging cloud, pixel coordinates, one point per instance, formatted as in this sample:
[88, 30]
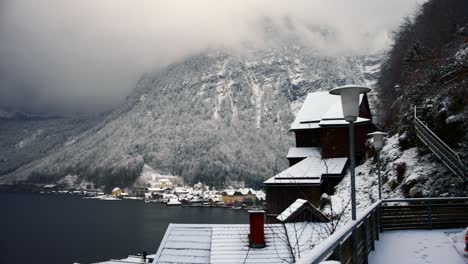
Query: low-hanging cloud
[87, 55]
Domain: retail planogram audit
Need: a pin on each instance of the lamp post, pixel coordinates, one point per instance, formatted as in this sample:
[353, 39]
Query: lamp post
[350, 104]
[378, 144]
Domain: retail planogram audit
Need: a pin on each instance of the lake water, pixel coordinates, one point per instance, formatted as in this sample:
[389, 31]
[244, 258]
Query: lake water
[47, 228]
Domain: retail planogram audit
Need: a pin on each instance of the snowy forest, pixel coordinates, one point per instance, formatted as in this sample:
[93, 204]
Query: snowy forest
[221, 115]
[212, 117]
[427, 67]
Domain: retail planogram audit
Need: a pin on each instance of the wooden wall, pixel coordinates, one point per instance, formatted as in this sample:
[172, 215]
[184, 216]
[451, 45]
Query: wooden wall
[308, 138]
[293, 161]
[279, 197]
[335, 141]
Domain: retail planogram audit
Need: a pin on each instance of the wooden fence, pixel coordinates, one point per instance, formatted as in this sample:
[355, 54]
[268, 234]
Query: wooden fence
[354, 242]
[350, 244]
[424, 213]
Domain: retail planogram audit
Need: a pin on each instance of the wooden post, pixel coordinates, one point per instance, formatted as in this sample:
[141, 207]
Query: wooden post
[376, 223]
[337, 253]
[379, 222]
[429, 208]
[373, 231]
[365, 248]
[354, 246]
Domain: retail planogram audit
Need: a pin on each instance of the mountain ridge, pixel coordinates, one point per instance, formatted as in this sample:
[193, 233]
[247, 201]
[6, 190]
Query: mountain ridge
[208, 117]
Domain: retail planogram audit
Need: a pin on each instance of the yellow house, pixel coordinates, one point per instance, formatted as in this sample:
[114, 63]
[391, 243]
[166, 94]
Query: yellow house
[234, 197]
[117, 192]
[164, 184]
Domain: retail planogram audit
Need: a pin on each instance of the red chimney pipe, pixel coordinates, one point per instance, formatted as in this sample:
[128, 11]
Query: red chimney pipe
[257, 224]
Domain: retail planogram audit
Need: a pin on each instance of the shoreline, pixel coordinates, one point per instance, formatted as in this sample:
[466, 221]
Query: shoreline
[100, 195]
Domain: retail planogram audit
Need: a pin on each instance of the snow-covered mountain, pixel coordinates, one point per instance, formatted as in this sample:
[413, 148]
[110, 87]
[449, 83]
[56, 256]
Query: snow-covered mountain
[26, 137]
[212, 116]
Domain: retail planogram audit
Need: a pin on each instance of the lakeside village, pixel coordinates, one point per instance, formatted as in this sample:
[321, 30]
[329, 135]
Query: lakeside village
[234, 195]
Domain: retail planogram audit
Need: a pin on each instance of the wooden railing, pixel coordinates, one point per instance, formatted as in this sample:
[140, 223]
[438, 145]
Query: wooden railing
[439, 148]
[391, 214]
[339, 246]
[424, 213]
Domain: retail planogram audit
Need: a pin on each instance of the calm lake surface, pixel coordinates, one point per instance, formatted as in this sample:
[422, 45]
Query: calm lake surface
[47, 228]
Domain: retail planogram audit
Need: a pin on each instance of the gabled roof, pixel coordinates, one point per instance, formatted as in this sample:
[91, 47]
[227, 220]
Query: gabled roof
[333, 166]
[211, 243]
[309, 171]
[321, 109]
[218, 243]
[185, 244]
[299, 206]
[314, 107]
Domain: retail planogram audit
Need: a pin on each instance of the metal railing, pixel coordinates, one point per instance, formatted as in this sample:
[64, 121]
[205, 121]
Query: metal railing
[390, 214]
[439, 148]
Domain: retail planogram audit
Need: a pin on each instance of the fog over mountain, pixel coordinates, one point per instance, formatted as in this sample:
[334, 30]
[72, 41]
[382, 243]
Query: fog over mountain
[87, 56]
[212, 117]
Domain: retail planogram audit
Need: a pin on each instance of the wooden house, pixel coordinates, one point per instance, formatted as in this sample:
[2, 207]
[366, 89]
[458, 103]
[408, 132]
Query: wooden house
[320, 158]
[117, 192]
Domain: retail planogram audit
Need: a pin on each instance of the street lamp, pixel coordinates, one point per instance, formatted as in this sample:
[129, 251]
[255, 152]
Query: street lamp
[378, 144]
[350, 104]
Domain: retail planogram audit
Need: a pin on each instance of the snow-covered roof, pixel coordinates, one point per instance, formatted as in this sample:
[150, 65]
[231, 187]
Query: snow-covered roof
[303, 152]
[333, 166]
[321, 109]
[218, 243]
[341, 122]
[164, 181]
[291, 209]
[229, 191]
[309, 171]
[298, 206]
[245, 191]
[116, 189]
[306, 171]
[314, 107]
[129, 260]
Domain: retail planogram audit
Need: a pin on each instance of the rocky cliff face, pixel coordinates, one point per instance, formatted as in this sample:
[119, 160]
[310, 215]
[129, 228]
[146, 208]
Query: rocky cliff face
[210, 117]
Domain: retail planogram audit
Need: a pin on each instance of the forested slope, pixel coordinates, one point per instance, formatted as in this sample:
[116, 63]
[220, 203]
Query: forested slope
[427, 67]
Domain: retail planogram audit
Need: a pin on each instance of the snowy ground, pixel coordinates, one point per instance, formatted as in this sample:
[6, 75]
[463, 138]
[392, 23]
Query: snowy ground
[418, 246]
[419, 179]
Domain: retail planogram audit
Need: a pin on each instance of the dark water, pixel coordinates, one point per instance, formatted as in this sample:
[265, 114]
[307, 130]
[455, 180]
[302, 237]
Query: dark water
[42, 228]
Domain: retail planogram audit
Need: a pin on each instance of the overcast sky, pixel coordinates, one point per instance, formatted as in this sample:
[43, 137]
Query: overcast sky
[88, 55]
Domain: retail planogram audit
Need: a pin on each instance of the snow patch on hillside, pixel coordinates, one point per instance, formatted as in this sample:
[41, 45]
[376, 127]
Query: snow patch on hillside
[394, 185]
[73, 181]
[150, 176]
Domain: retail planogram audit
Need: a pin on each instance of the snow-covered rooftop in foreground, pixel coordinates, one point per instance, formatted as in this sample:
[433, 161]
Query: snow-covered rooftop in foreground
[321, 109]
[309, 171]
[129, 260]
[212, 243]
[417, 247]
